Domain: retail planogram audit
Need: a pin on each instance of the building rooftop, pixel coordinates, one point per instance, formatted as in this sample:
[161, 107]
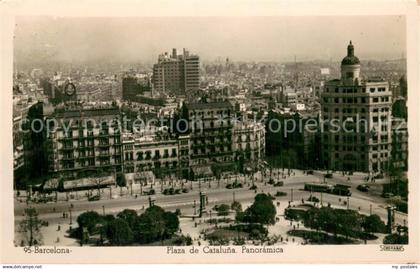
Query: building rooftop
[212, 105]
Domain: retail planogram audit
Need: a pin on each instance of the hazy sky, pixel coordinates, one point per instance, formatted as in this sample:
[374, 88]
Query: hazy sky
[239, 38]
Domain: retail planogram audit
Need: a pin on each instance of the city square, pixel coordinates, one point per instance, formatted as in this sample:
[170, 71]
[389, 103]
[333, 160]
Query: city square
[186, 149]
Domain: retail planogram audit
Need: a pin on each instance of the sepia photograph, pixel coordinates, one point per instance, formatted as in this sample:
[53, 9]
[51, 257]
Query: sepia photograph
[221, 134]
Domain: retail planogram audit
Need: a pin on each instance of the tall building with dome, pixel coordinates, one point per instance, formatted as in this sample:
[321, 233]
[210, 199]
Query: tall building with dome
[356, 118]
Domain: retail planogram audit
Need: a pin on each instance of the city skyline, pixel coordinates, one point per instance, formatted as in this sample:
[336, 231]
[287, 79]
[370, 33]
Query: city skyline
[80, 40]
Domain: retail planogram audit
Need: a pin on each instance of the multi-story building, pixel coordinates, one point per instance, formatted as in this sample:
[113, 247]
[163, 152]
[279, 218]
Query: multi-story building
[363, 107]
[92, 143]
[176, 74]
[292, 138]
[211, 131]
[80, 140]
[249, 141]
[157, 153]
[399, 150]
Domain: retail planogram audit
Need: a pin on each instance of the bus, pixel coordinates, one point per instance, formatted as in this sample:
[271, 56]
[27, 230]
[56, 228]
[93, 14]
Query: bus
[342, 190]
[318, 187]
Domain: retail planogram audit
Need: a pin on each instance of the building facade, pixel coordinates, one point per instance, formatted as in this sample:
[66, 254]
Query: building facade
[211, 132]
[399, 150]
[156, 153]
[363, 107]
[249, 141]
[88, 142]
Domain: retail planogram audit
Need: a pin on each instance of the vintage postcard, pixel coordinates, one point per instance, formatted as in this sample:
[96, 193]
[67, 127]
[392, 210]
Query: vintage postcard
[209, 132]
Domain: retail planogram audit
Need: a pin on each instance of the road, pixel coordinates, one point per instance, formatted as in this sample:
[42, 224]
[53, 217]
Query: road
[216, 195]
[53, 211]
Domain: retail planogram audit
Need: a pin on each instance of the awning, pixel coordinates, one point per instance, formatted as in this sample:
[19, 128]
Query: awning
[202, 171]
[144, 176]
[89, 182]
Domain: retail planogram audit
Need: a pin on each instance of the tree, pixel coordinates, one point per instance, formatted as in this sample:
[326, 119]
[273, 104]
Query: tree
[31, 225]
[118, 232]
[171, 223]
[336, 221]
[89, 220]
[129, 216]
[236, 206]
[150, 226]
[121, 181]
[222, 210]
[396, 239]
[262, 211]
[373, 224]
[155, 224]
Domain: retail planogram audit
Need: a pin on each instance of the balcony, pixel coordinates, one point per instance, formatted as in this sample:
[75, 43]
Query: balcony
[103, 145]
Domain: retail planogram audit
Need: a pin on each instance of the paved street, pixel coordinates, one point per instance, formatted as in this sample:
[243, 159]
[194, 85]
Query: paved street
[53, 211]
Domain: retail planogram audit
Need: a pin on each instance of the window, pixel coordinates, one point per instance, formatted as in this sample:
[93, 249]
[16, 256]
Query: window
[372, 90]
[375, 100]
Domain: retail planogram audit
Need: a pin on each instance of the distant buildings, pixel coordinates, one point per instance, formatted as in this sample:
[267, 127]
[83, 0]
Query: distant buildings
[177, 74]
[357, 103]
[133, 86]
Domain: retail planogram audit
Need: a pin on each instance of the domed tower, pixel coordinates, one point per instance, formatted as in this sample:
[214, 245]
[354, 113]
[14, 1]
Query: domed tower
[350, 67]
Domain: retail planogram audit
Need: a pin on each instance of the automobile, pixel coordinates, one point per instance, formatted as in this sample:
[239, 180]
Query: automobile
[185, 190]
[253, 187]
[150, 192]
[378, 176]
[313, 199]
[328, 175]
[387, 195]
[310, 172]
[94, 198]
[363, 188]
[278, 184]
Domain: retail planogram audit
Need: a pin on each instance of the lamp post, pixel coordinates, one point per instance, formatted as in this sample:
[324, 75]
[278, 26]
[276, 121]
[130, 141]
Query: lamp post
[291, 195]
[70, 217]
